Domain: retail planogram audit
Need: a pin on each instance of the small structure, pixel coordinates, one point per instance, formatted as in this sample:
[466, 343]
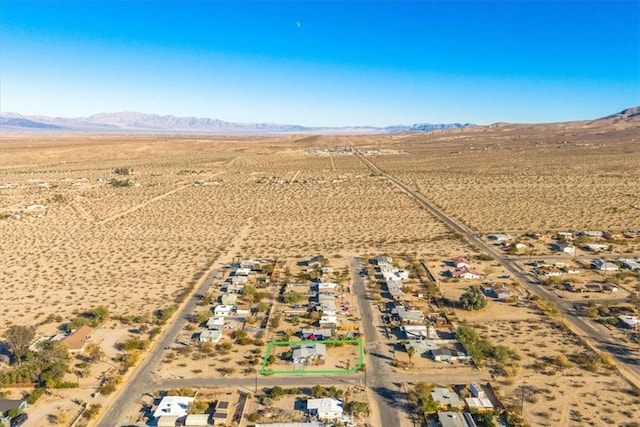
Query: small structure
[456, 419]
[629, 322]
[465, 273]
[325, 409]
[307, 353]
[594, 247]
[446, 399]
[498, 237]
[414, 332]
[222, 310]
[602, 265]
[210, 336]
[408, 317]
[215, 323]
[173, 406]
[196, 420]
[316, 334]
[382, 260]
[461, 262]
[78, 339]
[564, 247]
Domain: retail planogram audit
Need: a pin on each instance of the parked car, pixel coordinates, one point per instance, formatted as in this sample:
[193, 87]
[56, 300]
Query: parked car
[19, 420]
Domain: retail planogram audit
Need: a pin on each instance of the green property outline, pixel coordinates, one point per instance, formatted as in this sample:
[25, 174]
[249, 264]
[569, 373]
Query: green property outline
[270, 344]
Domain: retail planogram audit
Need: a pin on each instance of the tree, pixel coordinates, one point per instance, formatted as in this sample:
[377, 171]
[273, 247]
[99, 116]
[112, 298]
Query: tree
[18, 340]
[411, 352]
[473, 299]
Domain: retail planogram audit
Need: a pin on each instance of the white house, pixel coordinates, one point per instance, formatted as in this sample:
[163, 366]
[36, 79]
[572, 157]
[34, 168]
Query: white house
[414, 332]
[215, 323]
[595, 247]
[629, 322]
[563, 247]
[211, 336]
[222, 310]
[308, 352]
[328, 320]
[243, 271]
[325, 409]
[602, 265]
[175, 406]
[228, 299]
[466, 273]
[498, 237]
[461, 262]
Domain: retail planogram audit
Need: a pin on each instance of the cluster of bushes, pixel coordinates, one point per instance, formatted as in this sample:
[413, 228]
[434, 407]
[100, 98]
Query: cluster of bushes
[93, 318]
[481, 348]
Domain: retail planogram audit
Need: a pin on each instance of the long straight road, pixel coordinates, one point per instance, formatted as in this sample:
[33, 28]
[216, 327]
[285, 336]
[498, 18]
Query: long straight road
[379, 378]
[628, 363]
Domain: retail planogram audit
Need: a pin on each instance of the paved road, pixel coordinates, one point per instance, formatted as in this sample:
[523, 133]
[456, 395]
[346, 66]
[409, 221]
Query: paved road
[386, 393]
[142, 379]
[628, 361]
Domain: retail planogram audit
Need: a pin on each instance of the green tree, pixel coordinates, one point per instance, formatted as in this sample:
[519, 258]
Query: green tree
[411, 352]
[18, 340]
[473, 299]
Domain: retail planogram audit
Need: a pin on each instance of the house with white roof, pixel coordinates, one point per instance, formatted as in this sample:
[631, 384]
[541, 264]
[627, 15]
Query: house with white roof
[446, 399]
[466, 273]
[602, 265]
[306, 353]
[174, 406]
[211, 336]
[222, 310]
[325, 409]
[215, 323]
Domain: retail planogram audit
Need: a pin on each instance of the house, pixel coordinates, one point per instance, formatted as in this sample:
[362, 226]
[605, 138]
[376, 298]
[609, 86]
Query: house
[242, 272]
[78, 339]
[173, 406]
[211, 336]
[408, 317]
[564, 235]
[7, 405]
[322, 286]
[239, 281]
[590, 233]
[602, 265]
[215, 323]
[222, 310]
[498, 237]
[231, 288]
[594, 247]
[382, 260]
[564, 247]
[461, 262]
[629, 322]
[251, 264]
[447, 355]
[306, 353]
[446, 399]
[328, 320]
[228, 299]
[630, 264]
[414, 332]
[465, 273]
[496, 291]
[456, 419]
[243, 309]
[325, 409]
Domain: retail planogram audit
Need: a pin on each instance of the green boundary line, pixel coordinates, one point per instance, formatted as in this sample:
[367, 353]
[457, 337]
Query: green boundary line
[271, 344]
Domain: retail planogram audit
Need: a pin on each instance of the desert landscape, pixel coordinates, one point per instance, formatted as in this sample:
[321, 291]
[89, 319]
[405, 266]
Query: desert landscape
[134, 224]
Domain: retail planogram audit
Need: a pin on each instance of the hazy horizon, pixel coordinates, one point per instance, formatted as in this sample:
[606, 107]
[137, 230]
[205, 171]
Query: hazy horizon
[323, 63]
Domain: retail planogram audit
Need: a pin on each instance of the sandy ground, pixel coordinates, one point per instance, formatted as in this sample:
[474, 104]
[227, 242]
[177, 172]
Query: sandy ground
[136, 249]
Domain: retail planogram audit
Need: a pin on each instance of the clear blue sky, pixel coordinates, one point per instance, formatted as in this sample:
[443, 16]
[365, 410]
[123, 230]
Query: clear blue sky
[322, 63]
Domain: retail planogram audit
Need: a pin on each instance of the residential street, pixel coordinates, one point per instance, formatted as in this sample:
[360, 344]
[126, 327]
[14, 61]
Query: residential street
[629, 364]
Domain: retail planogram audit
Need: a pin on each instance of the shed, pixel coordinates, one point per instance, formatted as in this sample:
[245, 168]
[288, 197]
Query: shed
[197, 420]
[167, 421]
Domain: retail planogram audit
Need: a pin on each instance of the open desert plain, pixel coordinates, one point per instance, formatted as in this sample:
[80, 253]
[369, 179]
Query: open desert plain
[121, 233]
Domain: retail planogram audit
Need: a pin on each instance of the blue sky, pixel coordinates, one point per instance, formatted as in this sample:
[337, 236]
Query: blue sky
[322, 63]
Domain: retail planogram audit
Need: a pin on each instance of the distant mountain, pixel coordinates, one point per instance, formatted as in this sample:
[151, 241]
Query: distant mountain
[132, 122]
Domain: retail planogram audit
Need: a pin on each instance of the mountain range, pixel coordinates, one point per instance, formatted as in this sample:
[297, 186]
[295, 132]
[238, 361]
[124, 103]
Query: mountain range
[131, 122]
